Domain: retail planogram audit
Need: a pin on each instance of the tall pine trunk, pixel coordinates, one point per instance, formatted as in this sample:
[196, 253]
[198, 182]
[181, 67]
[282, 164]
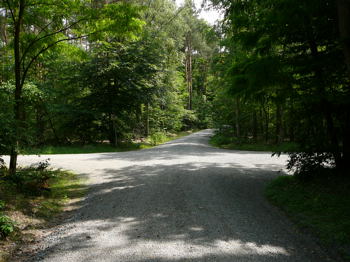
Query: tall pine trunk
[18, 88]
[255, 126]
[237, 118]
[279, 123]
[344, 33]
[188, 69]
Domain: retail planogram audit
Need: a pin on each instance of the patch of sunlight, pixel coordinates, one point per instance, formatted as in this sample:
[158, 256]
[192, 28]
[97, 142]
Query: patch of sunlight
[124, 240]
[183, 248]
[196, 228]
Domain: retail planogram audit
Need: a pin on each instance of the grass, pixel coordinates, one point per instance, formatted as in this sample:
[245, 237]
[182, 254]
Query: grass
[102, 148]
[83, 149]
[320, 206]
[228, 142]
[33, 213]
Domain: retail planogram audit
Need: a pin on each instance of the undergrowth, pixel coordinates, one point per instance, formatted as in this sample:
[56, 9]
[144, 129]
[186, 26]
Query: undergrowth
[31, 199]
[228, 141]
[321, 206]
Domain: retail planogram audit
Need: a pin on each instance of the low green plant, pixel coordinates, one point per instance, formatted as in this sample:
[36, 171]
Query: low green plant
[7, 226]
[320, 205]
[81, 149]
[34, 179]
[225, 139]
[157, 138]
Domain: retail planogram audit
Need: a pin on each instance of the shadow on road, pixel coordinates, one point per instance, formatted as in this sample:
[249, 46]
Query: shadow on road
[182, 201]
[156, 214]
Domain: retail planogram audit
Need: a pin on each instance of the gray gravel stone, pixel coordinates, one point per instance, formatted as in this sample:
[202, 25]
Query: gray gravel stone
[181, 201]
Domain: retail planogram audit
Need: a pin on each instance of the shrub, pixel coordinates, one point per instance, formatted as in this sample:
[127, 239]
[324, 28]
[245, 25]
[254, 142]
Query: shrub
[157, 138]
[33, 180]
[7, 226]
[307, 165]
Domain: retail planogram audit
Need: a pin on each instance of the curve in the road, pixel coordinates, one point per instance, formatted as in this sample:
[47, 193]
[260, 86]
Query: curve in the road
[181, 201]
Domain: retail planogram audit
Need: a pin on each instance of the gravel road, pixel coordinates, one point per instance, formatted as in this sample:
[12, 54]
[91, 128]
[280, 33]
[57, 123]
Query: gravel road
[181, 201]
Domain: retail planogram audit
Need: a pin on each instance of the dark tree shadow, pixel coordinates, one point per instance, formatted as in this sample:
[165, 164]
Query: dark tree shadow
[179, 211]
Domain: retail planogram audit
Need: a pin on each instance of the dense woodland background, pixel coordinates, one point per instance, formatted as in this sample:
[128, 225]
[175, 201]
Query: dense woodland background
[82, 72]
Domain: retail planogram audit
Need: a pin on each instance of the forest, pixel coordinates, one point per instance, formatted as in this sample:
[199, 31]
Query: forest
[82, 72]
[272, 72]
[75, 72]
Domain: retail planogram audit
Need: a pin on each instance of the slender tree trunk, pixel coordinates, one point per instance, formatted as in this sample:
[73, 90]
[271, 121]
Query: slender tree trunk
[3, 28]
[327, 109]
[344, 29]
[344, 32]
[237, 118]
[266, 122]
[115, 134]
[58, 140]
[113, 137]
[346, 142]
[291, 123]
[261, 121]
[188, 69]
[255, 126]
[18, 88]
[279, 123]
[147, 119]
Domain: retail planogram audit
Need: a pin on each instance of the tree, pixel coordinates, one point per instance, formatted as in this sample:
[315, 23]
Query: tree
[287, 52]
[38, 26]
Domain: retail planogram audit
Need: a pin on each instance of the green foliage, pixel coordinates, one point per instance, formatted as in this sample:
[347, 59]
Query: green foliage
[82, 149]
[7, 226]
[227, 140]
[280, 80]
[93, 71]
[33, 180]
[308, 165]
[32, 210]
[321, 206]
[222, 139]
[157, 138]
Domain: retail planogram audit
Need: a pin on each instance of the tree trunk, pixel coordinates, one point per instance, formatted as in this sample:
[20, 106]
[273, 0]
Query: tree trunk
[188, 69]
[266, 123]
[346, 142]
[237, 118]
[18, 91]
[40, 125]
[279, 123]
[112, 137]
[344, 29]
[344, 33]
[255, 126]
[291, 123]
[261, 121]
[147, 119]
[3, 27]
[327, 109]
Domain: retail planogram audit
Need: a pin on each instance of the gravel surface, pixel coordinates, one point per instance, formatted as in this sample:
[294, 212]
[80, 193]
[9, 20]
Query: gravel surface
[181, 201]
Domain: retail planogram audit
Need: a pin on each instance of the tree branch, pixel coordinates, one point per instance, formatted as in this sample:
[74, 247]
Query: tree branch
[44, 49]
[11, 11]
[46, 36]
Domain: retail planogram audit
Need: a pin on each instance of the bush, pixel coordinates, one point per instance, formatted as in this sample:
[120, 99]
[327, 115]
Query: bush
[157, 138]
[190, 120]
[7, 226]
[308, 165]
[33, 180]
